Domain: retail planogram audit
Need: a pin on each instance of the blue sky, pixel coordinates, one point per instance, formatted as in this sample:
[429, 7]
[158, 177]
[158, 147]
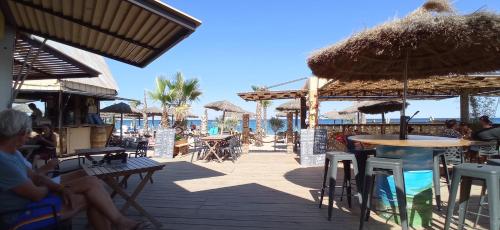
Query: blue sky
[262, 42]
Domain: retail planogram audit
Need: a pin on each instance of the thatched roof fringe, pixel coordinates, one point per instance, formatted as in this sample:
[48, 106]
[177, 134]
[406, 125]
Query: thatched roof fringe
[440, 44]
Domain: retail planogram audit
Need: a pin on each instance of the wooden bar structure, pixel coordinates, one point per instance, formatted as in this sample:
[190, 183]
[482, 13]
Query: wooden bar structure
[245, 137]
[464, 106]
[313, 102]
[434, 88]
[289, 133]
[303, 113]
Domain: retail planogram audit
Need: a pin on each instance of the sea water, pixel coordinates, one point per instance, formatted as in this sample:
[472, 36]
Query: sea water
[252, 123]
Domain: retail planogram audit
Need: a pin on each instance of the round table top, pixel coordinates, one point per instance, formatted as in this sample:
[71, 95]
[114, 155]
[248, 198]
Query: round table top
[414, 141]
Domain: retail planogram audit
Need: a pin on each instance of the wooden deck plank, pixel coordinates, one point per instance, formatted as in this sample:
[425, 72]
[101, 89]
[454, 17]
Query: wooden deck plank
[260, 191]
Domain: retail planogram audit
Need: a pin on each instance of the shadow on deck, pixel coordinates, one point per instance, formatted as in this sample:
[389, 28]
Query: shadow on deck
[258, 192]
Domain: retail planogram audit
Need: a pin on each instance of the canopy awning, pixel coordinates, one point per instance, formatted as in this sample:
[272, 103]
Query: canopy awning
[132, 31]
[50, 62]
[272, 95]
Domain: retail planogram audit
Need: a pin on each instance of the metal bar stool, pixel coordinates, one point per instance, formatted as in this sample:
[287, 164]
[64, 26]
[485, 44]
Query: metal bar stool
[482, 199]
[464, 174]
[331, 166]
[384, 166]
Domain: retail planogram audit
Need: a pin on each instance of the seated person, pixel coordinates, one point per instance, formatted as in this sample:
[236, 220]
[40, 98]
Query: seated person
[21, 187]
[488, 132]
[48, 143]
[464, 129]
[451, 129]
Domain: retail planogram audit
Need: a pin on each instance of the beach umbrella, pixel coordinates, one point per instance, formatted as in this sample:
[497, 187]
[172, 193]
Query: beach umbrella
[355, 107]
[153, 111]
[281, 114]
[432, 41]
[291, 106]
[121, 108]
[224, 106]
[191, 115]
[335, 115]
[382, 108]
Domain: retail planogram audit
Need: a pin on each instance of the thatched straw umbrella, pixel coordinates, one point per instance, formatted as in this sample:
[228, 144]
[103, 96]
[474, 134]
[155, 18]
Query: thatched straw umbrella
[153, 111]
[382, 108]
[433, 40]
[191, 115]
[354, 109]
[224, 106]
[281, 114]
[335, 115]
[121, 108]
[291, 106]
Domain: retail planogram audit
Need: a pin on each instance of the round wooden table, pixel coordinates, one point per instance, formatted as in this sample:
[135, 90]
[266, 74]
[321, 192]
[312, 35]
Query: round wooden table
[417, 155]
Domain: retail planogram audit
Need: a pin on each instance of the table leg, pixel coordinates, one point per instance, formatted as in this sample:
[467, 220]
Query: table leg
[122, 182]
[212, 149]
[216, 146]
[131, 199]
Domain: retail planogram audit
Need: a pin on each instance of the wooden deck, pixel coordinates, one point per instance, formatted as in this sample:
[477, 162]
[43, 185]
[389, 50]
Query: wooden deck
[260, 191]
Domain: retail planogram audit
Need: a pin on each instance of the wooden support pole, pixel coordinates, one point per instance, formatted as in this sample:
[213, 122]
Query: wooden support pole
[245, 139]
[313, 102]
[464, 106]
[7, 41]
[303, 113]
[289, 132]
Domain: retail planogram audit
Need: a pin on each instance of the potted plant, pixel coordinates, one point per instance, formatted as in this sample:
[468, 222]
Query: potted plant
[276, 125]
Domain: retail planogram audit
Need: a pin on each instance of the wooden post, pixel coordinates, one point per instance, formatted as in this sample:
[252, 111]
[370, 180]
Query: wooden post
[313, 102]
[464, 106]
[245, 139]
[295, 133]
[382, 128]
[303, 113]
[289, 132]
[60, 121]
[7, 41]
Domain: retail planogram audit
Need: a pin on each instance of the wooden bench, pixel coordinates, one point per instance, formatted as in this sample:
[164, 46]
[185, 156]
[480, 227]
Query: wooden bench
[181, 147]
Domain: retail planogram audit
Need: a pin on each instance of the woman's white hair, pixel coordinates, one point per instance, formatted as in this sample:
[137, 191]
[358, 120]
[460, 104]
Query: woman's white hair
[13, 122]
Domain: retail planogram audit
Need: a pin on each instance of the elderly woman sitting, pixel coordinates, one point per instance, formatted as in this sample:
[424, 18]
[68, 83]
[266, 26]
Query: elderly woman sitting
[21, 187]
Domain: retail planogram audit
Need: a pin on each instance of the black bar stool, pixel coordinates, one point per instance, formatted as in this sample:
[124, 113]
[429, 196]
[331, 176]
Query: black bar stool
[331, 166]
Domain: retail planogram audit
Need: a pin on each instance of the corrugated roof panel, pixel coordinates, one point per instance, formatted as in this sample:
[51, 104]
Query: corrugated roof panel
[119, 29]
[50, 62]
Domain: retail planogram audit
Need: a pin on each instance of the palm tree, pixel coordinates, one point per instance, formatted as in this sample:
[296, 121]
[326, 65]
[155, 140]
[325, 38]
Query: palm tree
[134, 104]
[165, 94]
[185, 92]
[265, 104]
[258, 119]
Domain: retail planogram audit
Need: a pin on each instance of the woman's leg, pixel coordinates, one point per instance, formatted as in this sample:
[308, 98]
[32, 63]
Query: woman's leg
[67, 177]
[98, 198]
[98, 220]
[78, 204]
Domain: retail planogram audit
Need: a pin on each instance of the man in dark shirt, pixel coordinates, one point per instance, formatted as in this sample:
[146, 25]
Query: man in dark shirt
[489, 132]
